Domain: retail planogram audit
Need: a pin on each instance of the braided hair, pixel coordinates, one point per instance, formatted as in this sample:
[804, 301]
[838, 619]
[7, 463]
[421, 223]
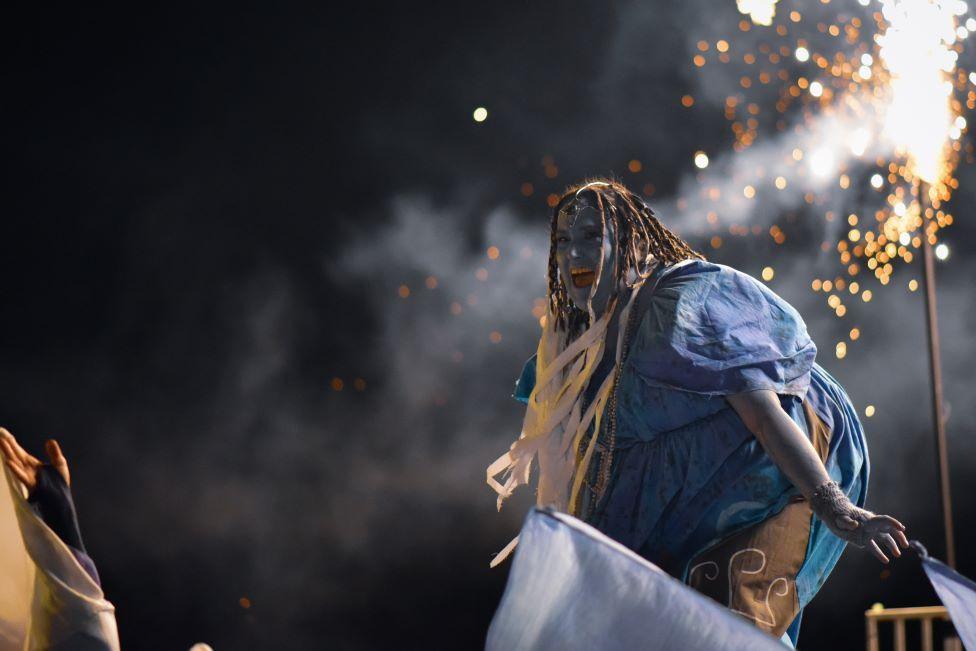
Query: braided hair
[639, 233]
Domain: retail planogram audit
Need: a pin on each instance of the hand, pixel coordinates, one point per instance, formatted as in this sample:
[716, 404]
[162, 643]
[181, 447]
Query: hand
[24, 466]
[858, 526]
[875, 532]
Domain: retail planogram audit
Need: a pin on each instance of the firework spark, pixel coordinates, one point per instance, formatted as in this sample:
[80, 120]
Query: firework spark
[865, 107]
[916, 49]
[760, 11]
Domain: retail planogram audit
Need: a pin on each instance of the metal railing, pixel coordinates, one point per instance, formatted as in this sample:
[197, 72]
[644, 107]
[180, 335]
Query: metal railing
[925, 615]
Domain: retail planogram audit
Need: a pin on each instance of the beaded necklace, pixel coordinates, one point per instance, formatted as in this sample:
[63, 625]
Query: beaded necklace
[607, 438]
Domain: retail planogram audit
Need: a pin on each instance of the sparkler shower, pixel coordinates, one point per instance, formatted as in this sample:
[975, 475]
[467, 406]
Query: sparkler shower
[862, 102]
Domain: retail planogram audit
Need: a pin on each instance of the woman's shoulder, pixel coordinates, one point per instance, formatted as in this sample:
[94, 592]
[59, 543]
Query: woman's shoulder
[716, 290]
[703, 272]
[683, 287]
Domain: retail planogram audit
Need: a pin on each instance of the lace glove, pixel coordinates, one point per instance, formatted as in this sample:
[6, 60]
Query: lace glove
[856, 525]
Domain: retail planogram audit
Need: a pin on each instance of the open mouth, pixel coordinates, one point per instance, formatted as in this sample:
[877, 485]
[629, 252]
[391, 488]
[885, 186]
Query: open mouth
[582, 276]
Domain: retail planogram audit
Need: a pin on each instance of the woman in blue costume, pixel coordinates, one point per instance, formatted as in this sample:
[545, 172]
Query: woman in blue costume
[722, 452]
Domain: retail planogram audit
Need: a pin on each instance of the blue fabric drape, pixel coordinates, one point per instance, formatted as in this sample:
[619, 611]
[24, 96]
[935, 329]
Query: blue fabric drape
[686, 471]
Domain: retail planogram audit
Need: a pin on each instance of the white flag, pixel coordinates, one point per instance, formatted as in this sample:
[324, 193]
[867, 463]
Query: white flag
[47, 599]
[957, 593]
[571, 587]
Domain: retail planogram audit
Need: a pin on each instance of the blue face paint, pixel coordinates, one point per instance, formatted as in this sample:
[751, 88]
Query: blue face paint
[582, 246]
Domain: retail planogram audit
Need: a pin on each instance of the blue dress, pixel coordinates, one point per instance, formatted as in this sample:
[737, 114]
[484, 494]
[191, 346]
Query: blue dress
[686, 473]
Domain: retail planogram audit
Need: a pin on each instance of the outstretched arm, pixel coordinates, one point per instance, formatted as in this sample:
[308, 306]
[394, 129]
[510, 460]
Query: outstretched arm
[790, 449]
[65, 608]
[48, 492]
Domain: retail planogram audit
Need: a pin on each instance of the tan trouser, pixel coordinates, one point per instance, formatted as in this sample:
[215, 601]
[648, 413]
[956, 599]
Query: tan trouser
[753, 572]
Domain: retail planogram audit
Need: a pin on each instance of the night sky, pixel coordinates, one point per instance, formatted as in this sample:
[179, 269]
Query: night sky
[245, 283]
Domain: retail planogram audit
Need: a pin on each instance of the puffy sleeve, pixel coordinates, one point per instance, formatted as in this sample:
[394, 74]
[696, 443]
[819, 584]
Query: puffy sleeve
[713, 330]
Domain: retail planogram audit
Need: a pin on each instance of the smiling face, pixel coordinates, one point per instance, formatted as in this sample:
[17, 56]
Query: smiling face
[581, 245]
